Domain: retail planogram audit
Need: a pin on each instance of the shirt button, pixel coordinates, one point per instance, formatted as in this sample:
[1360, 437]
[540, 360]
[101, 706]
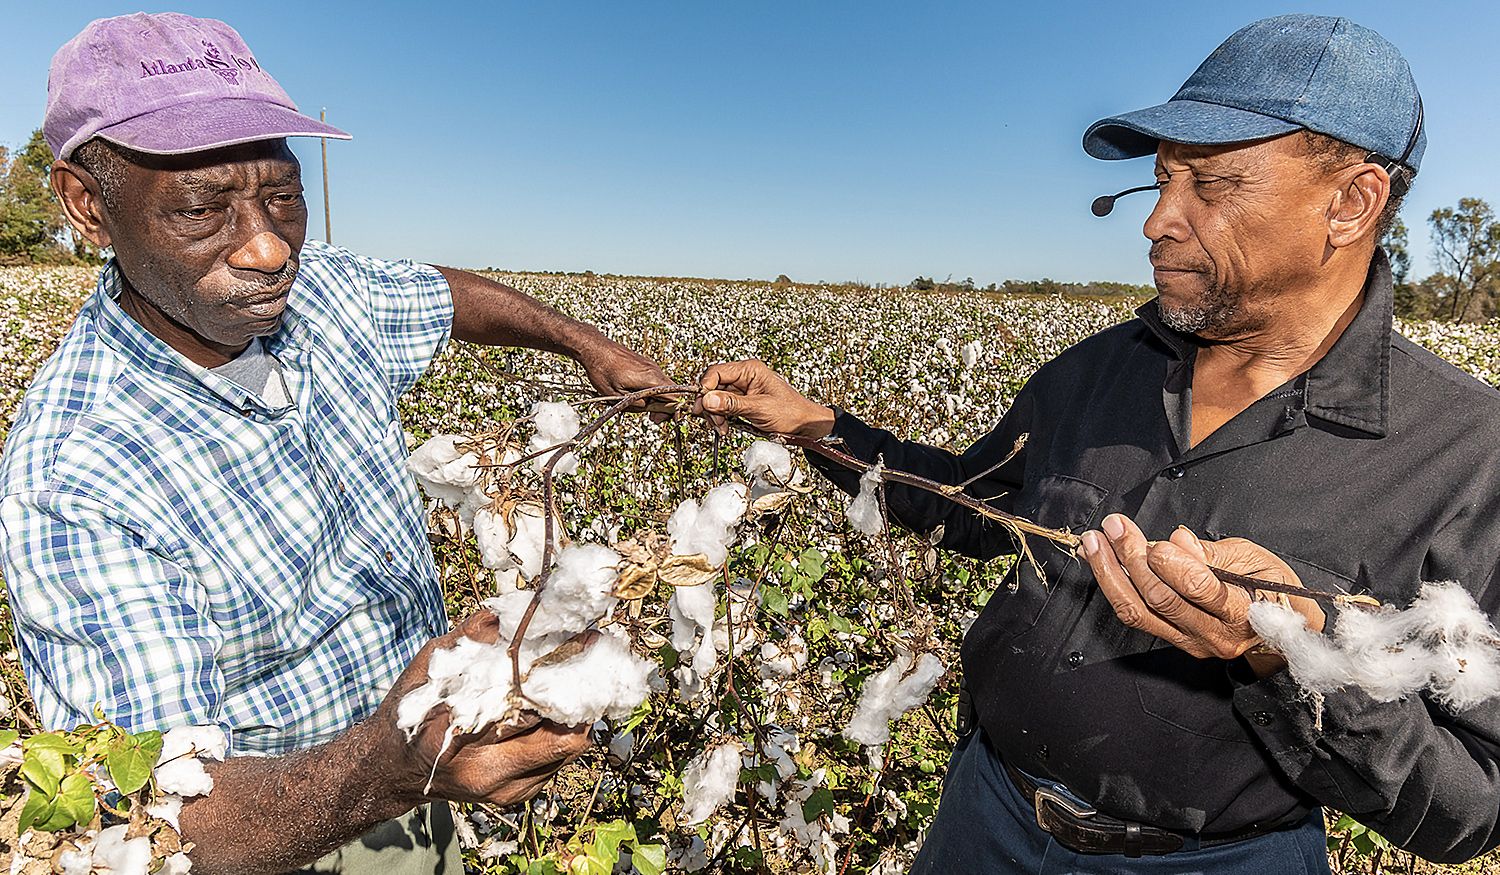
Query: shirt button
[389, 556]
[1289, 414]
[1075, 659]
[342, 488]
[1262, 718]
[1175, 472]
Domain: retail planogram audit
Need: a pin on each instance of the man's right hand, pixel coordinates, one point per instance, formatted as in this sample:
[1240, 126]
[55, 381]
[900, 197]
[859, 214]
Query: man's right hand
[750, 391]
[502, 765]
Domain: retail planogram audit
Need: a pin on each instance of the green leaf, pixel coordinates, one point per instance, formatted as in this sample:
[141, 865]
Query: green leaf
[55, 741]
[817, 629]
[8, 737]
[840, 624]
[637, 717]
[37, 808]
[75, 801]
[817, 804]
[811, 563]
[1345, 822]
[130, 760]
[649, 859]
[773, 599]
[607, 839]
[44, 770]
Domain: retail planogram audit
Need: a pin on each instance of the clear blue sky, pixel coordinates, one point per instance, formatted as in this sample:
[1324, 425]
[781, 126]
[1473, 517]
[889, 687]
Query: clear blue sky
[824, 140]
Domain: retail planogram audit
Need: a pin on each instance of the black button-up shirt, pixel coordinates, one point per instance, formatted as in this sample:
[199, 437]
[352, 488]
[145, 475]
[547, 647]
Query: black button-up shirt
[1376, 470]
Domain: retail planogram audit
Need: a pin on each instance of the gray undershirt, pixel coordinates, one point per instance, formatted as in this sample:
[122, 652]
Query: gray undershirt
[257, 371]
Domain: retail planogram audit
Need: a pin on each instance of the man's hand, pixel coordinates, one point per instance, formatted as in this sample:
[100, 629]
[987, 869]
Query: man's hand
[753, 392]
[618, 370]
[502, 765]
[1167, 589]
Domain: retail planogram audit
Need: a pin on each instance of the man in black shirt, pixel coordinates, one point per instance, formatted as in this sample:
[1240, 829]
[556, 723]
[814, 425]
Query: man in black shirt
[1128, 718]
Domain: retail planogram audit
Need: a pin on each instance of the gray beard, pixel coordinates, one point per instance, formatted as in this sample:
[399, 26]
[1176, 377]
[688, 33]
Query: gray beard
[1215, 309]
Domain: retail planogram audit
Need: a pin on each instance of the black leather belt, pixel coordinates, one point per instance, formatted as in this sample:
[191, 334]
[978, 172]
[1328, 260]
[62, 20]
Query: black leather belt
[1080, 828]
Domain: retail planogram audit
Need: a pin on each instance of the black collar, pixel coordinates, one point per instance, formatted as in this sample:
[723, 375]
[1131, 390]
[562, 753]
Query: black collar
[1350, 385]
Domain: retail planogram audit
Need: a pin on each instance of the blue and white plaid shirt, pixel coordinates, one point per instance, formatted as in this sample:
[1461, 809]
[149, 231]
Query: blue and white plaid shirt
[178, 552]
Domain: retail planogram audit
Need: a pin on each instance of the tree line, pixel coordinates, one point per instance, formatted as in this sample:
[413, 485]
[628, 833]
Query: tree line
[1465, 248]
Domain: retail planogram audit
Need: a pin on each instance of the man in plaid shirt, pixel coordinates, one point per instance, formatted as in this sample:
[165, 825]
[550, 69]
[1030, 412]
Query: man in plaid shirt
[205, 513]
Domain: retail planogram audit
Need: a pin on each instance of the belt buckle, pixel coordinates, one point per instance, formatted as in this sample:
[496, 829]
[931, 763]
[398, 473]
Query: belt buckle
[1064, 800]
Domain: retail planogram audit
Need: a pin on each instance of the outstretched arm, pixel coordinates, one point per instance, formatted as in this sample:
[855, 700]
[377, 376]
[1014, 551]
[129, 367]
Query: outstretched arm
[495, 314]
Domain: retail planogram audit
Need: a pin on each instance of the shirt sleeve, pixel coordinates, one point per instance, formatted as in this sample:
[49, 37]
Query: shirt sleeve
[1426, 778]
[411, 310]
[103, 620]
[921, 511]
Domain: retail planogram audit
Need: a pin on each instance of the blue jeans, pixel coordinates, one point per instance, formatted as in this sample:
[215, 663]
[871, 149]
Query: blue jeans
[984, 825]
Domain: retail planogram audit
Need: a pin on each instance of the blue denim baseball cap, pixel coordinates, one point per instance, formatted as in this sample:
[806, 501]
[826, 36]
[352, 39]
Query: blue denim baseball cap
[1278, 75]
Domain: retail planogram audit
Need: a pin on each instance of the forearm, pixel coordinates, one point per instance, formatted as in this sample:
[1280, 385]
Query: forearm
[276, 813]
[1425, 780]
[494, 314]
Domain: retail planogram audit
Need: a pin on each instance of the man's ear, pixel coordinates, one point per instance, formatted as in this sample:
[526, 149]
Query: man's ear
[1355, 211]
[82, 200]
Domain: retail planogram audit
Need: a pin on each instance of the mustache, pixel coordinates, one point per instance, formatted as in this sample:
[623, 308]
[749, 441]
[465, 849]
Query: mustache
[249, 288]
[1159, 255]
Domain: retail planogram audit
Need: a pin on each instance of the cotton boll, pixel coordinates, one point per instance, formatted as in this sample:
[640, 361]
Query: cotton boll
[180, 770]
[1312, 659]
[708, 528]
[580, 590]
[901, 686]
[1469, 674]
[769, 460]
[1447, 610]
[528, 537]
[621, 747]
[692, 611]
[117, 855]
[971, 352]
[605, 680]
[863, 512]
[784, 659]
[177, 864]
[556, 423]
[709, 781]
[493, 536]
[444, 471]
[167, 808]
[79, 862]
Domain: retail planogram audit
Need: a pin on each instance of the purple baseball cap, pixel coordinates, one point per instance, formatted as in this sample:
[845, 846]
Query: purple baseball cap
[166, 84]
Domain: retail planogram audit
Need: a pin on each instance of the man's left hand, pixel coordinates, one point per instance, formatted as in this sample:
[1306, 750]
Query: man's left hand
[618, 370]
[1167, 589]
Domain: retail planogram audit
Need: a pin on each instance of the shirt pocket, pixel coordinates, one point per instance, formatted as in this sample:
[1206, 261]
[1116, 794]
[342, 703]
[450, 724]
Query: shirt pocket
[1196, 695]
[1057, 501]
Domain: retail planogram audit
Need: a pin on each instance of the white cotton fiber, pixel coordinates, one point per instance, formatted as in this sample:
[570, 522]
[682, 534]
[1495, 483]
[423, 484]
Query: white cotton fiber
[971, 352]
[901, 686]
[709, 781]
[767, 460]
[692, 611]
[864, 511]
[556, 423]
[444, 472]
[579, 590]
[1442, 644]
[528, 538]
[708, 528]
[80, 862]
[180, 770]
[605, 680]
[493, 536]
[117, 855]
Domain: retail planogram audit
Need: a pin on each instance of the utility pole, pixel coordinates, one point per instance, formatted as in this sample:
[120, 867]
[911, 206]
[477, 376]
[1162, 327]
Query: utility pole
[327, 211]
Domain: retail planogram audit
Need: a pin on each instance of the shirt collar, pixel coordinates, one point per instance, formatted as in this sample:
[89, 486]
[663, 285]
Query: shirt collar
[1350, 385]
[126, 336]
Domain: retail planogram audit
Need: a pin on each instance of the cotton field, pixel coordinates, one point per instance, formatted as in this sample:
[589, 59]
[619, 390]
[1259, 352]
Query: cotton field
[797, 685]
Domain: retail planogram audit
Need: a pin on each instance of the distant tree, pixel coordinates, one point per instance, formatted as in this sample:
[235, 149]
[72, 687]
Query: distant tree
[1397, 250]
[32, 225]
[922, 284]
[1466, 247]
[783, 280]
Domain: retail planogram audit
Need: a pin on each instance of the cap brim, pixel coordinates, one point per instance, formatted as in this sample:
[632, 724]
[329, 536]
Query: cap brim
[211, 124]
[1178, 121]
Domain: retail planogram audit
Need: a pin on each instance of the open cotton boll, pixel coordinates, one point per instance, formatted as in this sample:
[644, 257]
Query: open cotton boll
[971, 352]
[899, 687]
[117, 855]
[493, 536]
[1315, 663]
[769, 460]
[528, 538]
[709, 781]
[167, 808]
[783, 659]
[79, 862]
[605, 680]
[864, 511]
[177, 864]
[580, 591]
[708, 528]
[556, 423]
[180, 768]
[444, 471]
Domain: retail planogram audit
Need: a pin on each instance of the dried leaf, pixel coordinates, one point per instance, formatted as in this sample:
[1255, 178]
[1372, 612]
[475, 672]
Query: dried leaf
[687, 570]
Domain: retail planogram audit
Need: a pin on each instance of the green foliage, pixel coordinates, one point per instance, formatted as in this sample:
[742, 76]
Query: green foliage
[58, 770]
[33, 228]
[1466, 249]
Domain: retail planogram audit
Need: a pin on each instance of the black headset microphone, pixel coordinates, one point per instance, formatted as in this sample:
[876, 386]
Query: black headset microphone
[1398, 170]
